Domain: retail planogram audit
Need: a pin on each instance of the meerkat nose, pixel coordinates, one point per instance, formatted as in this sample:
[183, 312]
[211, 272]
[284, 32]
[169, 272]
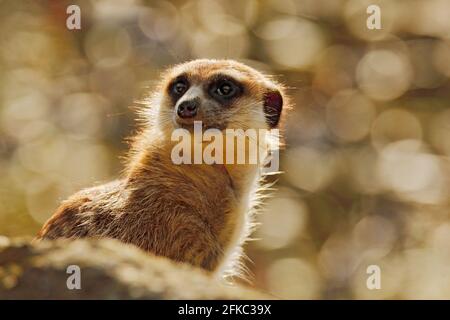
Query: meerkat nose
[188, 109]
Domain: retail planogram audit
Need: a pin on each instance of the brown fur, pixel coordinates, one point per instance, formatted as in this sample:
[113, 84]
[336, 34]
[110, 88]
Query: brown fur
[196, 213]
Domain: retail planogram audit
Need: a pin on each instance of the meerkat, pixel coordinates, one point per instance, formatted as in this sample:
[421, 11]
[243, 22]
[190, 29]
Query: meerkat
[194, 213]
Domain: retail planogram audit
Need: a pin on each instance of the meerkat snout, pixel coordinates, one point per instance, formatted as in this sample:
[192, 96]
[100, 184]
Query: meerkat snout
[188, 109]
[199, 214]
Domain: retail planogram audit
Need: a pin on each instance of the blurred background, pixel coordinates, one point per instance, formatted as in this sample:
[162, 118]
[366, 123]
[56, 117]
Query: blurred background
[367, 170]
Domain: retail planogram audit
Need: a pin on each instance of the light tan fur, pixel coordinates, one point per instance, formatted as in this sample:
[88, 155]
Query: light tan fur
[194, 213]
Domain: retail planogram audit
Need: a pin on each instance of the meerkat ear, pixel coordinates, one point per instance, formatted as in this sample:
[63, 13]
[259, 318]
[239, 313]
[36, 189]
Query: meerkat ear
[273, 104]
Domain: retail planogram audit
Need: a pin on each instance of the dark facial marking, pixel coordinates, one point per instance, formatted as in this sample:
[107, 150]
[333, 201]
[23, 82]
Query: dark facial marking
[224, 89]
[178, 87]
[273, 104]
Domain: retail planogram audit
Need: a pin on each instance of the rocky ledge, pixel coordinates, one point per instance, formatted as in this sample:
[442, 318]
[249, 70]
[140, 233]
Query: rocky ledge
[102, 269]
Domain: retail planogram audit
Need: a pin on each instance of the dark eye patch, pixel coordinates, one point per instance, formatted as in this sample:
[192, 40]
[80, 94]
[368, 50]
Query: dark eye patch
[224, 89]
[178, 87]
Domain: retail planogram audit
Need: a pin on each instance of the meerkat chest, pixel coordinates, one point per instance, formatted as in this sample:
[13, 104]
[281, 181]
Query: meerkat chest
[185, 194]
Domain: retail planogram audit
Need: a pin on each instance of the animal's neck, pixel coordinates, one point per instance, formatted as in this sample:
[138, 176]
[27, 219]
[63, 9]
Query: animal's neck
[160, 148]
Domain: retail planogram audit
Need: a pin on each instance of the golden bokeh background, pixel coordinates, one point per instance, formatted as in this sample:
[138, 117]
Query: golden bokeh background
[367, 163]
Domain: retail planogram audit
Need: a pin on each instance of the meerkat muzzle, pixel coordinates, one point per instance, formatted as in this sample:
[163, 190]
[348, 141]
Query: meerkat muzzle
[188, 109]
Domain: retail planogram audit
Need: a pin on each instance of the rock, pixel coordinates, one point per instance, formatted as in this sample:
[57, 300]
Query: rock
[109, 270]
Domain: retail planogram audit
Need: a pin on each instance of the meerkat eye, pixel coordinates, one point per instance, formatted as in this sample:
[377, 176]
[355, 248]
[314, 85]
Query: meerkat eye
[224, 89]
[179, 87]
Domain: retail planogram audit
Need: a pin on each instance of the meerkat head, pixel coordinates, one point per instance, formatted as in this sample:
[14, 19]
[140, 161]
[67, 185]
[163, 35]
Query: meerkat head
[221, 94]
